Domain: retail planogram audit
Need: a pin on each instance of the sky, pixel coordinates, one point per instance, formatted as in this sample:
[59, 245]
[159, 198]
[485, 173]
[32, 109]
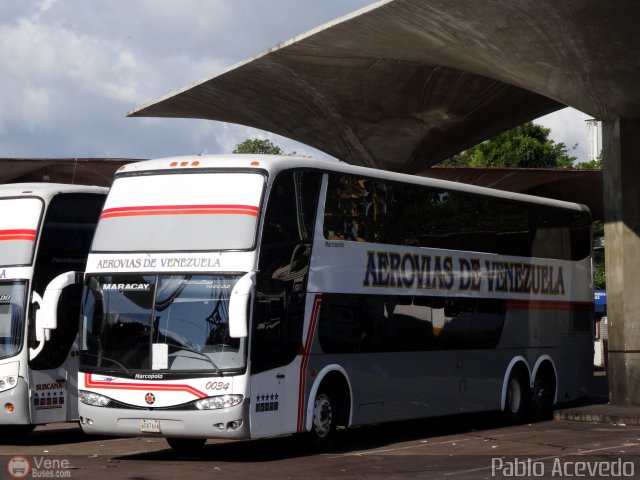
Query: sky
[72, 69]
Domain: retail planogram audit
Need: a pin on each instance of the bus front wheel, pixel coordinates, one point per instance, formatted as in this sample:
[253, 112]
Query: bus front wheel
[323, 426]
[517, 396]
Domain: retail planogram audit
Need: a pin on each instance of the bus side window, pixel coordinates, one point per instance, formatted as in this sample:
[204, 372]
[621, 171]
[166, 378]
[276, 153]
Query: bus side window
[285, 252]
[356, 209]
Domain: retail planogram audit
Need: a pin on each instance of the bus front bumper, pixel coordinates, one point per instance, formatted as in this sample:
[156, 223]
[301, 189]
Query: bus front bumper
[228, 423]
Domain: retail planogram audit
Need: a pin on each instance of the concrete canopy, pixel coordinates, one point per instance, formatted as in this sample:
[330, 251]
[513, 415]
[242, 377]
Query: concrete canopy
[404, 84]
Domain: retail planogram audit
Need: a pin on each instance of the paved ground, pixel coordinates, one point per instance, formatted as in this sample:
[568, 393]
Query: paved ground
[461, 447]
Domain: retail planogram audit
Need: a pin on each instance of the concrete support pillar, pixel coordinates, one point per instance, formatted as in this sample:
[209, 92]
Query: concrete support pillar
[621, 175]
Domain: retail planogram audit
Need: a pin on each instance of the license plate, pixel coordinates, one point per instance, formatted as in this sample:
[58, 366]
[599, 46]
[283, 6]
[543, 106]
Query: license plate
[150, 426]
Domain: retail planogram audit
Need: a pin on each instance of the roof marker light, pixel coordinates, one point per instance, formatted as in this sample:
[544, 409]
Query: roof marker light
[173, 164]
[195, 164]
[255, 164]
[184, 164]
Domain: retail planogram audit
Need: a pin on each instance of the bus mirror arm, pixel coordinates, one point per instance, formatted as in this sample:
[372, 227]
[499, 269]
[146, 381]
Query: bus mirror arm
[239, 305]
[52, 296]
[39, 330]
[46, 313]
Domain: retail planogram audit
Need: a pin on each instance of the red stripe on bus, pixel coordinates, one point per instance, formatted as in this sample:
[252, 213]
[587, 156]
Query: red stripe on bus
[549, 305]
[305, 360]
[179, 210]
[167, 387]
[26, 231]
[18, 234]
[30, 238]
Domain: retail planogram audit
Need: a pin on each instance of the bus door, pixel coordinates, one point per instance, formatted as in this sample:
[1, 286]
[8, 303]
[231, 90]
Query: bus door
[65, 239]
[276, 337]
[53, 387]
[269, 375]
[279, 308]
[54, 392]
[267, 404]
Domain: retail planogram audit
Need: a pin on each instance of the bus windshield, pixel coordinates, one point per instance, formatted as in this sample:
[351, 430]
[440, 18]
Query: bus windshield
[12, 301]
[186, 212]
[18, 227]
[162, 323]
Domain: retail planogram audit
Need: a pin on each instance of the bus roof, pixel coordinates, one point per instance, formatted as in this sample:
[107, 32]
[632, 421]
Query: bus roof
[276, 163]
[45, 190]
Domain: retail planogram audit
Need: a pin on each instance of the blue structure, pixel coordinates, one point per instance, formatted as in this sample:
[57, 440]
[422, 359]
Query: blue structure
[600, 302]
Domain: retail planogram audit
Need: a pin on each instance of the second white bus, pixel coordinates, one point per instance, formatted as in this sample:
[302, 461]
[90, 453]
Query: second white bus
[251, 296]
[45, 234]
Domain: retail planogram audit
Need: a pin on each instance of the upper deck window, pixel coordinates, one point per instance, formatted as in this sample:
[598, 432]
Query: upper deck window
[371, 210]
[181, 212]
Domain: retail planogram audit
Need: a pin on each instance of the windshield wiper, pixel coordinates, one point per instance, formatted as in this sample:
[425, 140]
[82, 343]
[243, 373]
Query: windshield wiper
[191, 350]
[100, 357]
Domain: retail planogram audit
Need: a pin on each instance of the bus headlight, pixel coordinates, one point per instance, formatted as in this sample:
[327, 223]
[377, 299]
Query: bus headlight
[220, 401]
[94, 399]
[7, 383]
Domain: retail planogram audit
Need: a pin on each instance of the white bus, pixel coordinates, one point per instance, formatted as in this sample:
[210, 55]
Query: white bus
[241, 297]
[45, 235]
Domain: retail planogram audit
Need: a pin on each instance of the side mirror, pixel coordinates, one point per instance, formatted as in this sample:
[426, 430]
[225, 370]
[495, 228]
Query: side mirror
[52, 296]
[239, 305]
[46, 315]
[37, 320]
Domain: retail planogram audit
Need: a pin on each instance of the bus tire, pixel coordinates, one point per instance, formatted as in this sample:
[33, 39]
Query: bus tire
[186, 446]
[515, 405]
[323, 425]
[542, 396]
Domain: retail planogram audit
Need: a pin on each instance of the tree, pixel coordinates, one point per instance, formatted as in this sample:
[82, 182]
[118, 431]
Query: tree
[255, 145]
[595, 164]
[525, 146]
[599, 275]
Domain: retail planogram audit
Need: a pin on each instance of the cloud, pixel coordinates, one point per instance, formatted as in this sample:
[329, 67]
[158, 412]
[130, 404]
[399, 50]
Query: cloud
[73, 68]
[569, 127]
[47, 68]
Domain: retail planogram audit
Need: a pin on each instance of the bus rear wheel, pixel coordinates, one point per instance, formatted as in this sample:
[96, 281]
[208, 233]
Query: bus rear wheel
[515, 405]
[542, 397]
[186, 446]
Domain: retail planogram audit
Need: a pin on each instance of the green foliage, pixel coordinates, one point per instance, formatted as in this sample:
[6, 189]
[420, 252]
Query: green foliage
[597, 228]
[595, 164]
[255, 145]
[525, 146]
[599, 276]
